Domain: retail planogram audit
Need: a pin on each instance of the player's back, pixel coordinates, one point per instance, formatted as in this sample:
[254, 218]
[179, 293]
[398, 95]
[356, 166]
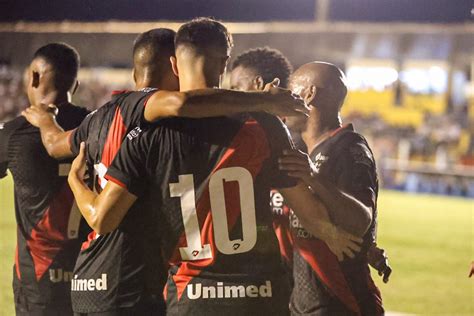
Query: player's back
[211, 181]
[126, 280]
[49, 231]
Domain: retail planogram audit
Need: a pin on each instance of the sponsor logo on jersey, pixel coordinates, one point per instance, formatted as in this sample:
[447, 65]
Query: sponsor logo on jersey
[297, 228]
[221, 291]
[59, 275]
[277, 203]
[88, 285]
[134, 133]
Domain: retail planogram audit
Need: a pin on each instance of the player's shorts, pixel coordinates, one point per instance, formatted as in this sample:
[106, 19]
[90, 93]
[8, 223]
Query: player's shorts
[148, 307]
[230, 296]
[24, 307]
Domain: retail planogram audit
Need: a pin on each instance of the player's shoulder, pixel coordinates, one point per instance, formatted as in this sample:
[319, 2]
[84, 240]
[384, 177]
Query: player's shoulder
[100, 113]
[276, 131]
[10, 127]
[355, 147]
[70, 116]
[267, 120]
[131, 96]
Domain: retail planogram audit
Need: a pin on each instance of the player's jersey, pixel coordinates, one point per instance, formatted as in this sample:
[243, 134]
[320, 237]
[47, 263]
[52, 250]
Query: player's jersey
[281, 225]
[323, 286]
[110, 270]
[210, 180]
[281, 220]
[49, 225]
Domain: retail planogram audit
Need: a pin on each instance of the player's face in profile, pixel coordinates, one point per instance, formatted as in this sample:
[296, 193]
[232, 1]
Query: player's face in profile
[297, 124]
[243, 79]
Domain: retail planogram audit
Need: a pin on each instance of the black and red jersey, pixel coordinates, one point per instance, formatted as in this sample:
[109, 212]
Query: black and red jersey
[49, 226]
[322, 285]
[209, 182]
[111, 272]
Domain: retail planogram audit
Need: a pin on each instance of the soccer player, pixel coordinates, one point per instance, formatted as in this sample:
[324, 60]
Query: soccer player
[50, 230]
[256, 67]
[209, 181]
[121, 287]
[251, 71]
[342, 173]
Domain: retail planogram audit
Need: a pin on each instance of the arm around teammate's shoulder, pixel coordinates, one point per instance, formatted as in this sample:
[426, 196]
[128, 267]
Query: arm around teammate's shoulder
[220, 102]
[54, 138]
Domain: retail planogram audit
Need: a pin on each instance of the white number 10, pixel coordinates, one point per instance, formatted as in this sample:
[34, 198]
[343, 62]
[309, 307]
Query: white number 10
[184, 189]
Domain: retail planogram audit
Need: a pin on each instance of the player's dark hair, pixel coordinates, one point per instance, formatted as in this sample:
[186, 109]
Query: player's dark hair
[157, 42]
[268, 62]
[205, 33]
[65, 61]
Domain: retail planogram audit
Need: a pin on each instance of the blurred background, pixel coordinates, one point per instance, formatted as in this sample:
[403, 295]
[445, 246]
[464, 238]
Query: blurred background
[409, 66]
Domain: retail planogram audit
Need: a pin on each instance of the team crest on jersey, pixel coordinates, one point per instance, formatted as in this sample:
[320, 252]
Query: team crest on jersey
[318, 161]
[134, 133]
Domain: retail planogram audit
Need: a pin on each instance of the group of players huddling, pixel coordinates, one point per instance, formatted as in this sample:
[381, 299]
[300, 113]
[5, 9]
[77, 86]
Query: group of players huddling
[196, 200]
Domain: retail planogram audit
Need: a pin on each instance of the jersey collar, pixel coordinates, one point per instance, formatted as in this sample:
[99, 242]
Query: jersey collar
[330, 134]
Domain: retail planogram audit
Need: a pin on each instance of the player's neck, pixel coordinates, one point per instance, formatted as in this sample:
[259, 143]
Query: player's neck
[55, 97]
[197, 76]
[147, 84]
[317, 132]
[196, 81]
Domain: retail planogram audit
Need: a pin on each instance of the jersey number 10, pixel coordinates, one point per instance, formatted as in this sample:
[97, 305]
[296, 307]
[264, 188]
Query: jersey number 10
[184, 189]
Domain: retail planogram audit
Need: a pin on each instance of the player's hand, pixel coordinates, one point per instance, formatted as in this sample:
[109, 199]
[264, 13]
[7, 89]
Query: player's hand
[283, 103]
[342, 243]
[378, 259]
[297, 164]
[78, 167]
[40, 115]
[472, 269]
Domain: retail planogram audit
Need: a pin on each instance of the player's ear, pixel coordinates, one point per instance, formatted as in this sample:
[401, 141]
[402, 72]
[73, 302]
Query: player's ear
[174, 65]
[35, 79]
[75, 87]
[223, 64]
[311, 94]
[258, 83]
[134, 74]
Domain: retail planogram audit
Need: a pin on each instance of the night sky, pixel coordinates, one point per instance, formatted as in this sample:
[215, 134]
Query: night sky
[442, 11]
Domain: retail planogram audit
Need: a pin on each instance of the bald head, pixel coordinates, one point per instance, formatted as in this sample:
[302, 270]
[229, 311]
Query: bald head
[327, 79]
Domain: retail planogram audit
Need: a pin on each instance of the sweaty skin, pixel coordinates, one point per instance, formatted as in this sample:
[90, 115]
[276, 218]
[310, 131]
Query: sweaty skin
[105, 211]
[322, 85]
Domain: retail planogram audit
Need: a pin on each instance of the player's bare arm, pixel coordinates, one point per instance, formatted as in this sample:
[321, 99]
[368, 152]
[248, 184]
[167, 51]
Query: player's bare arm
[220, 102]
[315, 219]
[105, 211]
[348, 212]
[54, 138]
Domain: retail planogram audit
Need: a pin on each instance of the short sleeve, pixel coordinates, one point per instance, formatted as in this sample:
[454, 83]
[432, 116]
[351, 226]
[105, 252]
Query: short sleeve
[79, 134]
[128, 169]
[279, 140]
[358, 175]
